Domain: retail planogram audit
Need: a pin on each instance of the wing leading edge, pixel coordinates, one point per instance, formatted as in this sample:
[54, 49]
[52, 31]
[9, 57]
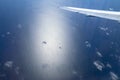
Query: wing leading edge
[112, 15]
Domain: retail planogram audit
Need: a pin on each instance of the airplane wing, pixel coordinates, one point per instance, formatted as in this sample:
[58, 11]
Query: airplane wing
[112, 15]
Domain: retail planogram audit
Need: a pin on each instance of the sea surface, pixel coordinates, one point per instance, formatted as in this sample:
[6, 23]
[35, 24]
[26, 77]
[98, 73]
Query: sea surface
[41, 41]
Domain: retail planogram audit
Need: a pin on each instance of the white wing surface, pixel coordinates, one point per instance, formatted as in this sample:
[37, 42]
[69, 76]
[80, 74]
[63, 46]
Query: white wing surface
[112, 15]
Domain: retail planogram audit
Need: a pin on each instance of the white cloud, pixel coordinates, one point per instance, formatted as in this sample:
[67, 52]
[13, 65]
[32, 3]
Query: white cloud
[99, 54]
[9, 64]
[114, 76]
[99, 65]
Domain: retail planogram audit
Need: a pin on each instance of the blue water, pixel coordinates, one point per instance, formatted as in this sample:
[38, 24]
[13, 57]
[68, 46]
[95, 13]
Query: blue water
[19, 22]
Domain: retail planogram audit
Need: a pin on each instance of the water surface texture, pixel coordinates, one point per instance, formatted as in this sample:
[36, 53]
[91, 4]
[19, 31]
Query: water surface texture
[41, 41]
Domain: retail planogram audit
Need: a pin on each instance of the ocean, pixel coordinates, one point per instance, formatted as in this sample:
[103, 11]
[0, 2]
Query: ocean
[41, 41]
